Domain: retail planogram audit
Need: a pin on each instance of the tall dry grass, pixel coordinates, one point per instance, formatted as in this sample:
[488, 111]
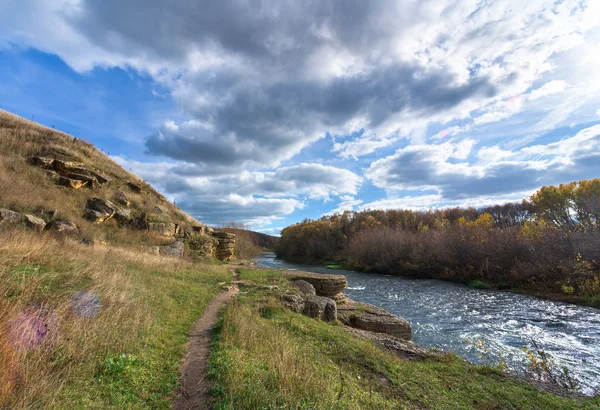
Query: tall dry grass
[143, 311]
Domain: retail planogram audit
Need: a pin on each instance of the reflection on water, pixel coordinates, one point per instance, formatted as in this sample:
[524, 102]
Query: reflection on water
[445, 315]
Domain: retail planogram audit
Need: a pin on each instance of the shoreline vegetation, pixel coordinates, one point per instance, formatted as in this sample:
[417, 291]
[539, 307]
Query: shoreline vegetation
[547, 246]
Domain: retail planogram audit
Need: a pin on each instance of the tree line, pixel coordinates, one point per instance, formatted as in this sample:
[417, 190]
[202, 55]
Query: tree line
[550, 241]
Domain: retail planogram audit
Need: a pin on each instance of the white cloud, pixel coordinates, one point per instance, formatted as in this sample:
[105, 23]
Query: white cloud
[347, 203]
[499, 172]
[253, 198]
[551, 87]
[261, 83]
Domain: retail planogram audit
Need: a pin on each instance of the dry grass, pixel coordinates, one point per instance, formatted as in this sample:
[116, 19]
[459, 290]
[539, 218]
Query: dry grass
[126, 355]
[25, 188]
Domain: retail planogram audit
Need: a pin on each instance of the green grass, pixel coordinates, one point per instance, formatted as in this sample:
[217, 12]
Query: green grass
[283, 360]
[263, 276]
[125, 357]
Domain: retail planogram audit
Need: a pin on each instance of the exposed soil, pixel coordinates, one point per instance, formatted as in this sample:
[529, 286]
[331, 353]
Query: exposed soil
[193, 389]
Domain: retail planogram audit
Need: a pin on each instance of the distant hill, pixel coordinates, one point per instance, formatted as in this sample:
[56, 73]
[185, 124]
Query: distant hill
[261, 240]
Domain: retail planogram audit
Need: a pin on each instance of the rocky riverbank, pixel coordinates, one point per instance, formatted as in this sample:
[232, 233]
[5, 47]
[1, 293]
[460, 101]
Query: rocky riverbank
[320, 296]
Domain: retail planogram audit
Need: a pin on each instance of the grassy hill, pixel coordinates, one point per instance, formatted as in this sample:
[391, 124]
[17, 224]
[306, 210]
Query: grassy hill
[30, 188]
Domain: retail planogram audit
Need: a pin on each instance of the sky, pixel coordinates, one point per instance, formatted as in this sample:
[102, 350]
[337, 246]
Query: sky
[269, 112]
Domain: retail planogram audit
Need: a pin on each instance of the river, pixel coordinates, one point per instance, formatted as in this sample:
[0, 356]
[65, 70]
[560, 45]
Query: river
[445, 315]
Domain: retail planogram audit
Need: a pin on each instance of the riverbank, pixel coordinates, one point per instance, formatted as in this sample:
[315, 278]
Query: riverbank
[267, 356]
[540, 291]
[446, 315]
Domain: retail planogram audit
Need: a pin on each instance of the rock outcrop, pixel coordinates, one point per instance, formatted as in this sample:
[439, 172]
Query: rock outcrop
[304, 287]
[135, 187]
[327, 285]
[331, 304]
[373, 319]
[71, 174]
[202, 245]
[98, 210]
[122, 199]
[293, 302]
[403, 348]
[123, 215]
[320, 307]
[64, 227]
[226, 247]
[163, 228]
[174, 250]
[9, 217]
[35, 223]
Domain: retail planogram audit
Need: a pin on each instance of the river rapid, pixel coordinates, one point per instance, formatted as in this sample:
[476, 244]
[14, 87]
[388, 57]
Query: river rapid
[445, 315]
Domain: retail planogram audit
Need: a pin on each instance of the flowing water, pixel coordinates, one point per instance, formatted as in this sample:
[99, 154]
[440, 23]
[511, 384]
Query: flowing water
[445, 315]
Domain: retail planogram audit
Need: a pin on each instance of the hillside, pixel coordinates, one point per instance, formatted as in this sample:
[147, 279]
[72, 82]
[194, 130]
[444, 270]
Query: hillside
[64, 184]
[262, 240]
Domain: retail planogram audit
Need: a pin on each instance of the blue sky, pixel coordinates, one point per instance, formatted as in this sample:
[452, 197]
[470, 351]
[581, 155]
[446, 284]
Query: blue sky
[266, 113]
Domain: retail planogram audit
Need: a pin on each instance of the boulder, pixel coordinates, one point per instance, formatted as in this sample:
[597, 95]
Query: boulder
[63, 167]
[175, 249]
[43, 162]
[327, 285]
[71, 183]
[139, 222]
[35, 223]
[158, 210]
[319, 307]
[121, 198]
[373, 319]
[101, 178]
[304, 287]
[123, 215]
[163, 228]
[98, 210]
[9, 217]
[293, 302]
[137, 188]
[64, 227]
[80, 176]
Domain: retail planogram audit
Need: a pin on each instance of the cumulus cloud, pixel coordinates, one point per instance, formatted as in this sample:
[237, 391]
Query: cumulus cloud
[499, 172]
[262, 80]
[253, 198]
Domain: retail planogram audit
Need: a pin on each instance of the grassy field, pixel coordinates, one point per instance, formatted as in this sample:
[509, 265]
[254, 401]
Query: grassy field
[94, 328]
[267, 357]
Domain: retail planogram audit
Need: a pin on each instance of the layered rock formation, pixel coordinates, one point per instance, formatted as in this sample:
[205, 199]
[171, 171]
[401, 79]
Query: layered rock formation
[200, 240]
[330, 304]
[328, 285]
[226, 246]
[71, 174]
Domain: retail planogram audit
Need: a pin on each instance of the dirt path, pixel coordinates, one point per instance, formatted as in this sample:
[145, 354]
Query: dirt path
[193, 389]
